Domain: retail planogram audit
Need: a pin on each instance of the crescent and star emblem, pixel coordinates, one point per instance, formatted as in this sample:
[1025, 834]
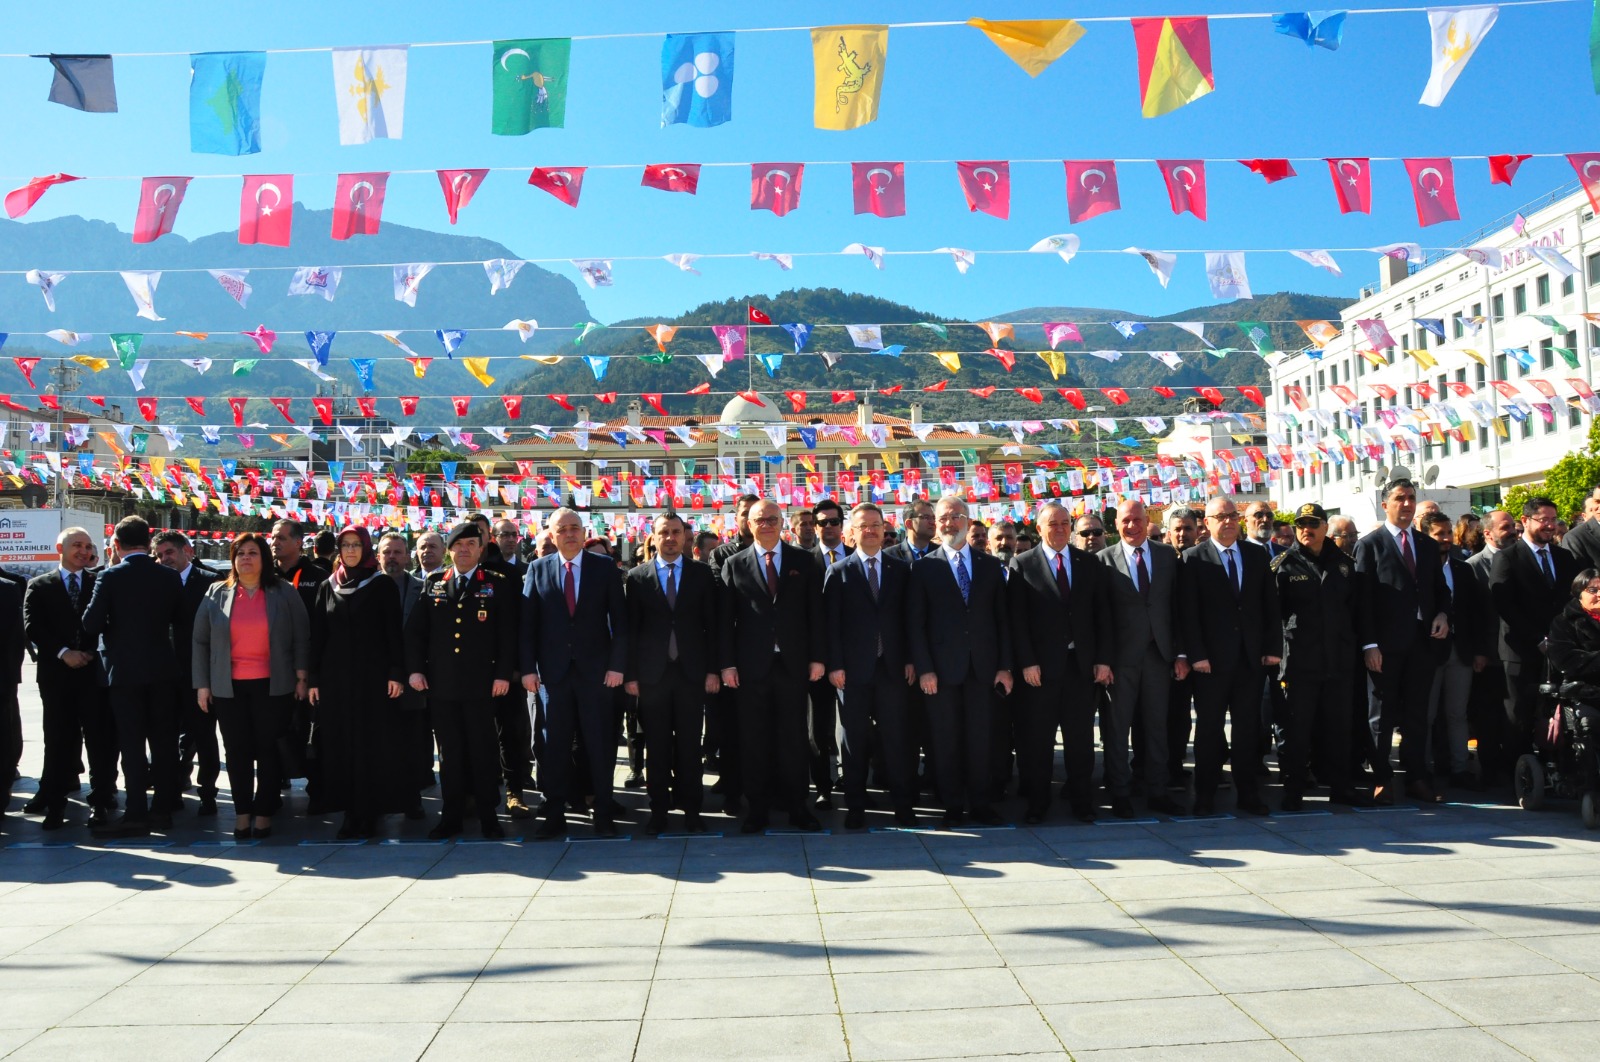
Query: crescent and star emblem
[1592, 164]
[461, 183]
[993, 178]
[1188, 185]
[1083, 179]
[673, 174]
[872, 183]
[1422, 182]
[277, 198]
[160, 201]
[1354, 171]
[508, 53]
[780, 178]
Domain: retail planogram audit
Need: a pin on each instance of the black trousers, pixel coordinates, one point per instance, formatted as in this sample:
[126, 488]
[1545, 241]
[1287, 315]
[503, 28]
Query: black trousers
[253, 724]
[961, 730]
[1521, 706]
[12, 724]
[723, 717]
[197, 744]
[1180, 722]
[469, 761]
[1066, 703]
[822, 741]
[671, 714]
[576, 705]
[147, 735]
[772, 741]
[514, 728]
[77, 720]
[1231, 693]
[1316, 728]
[1487, 722]
[876, 708]
[1402, 691]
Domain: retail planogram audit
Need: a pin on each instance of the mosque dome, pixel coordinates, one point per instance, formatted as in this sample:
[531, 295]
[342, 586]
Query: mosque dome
[741, 411]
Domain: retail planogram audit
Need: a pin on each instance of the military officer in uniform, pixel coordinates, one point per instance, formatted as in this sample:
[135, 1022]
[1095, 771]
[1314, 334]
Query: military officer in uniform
[461, 647]
[1325, 618]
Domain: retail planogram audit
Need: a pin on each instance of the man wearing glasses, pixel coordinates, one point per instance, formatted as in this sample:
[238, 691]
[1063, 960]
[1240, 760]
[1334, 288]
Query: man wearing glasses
[828, 517]
[1089, 534]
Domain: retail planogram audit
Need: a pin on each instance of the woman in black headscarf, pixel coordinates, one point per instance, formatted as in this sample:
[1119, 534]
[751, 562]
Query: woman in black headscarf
[357, 661]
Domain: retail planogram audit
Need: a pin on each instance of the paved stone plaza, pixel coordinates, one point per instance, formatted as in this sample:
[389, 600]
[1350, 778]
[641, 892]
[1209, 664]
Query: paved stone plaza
[1459, 932]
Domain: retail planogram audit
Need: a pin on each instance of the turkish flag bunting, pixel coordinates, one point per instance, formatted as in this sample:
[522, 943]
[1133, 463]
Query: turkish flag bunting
[797, 399]
[753, 398]
[1091, 189]
[896, 389]
[48, 401]
[561, 400]
[987, 186]
[324, 407]
[565, 184]
[880, 188]
[1008, 358]
[607, 397]
[1272, 169]
[775, 186]
[843, 396]
[982, 392]
[1186, 185]
[459, 186]
[513, 404]
[672, 177]
[654, 401]
[1502, 168]
[26, 367]
[197, 404]
[368, 406]
[1073, 395]
[159, 200]
[358, 204]
[282, 406]
[1164, 392]
[1212, 395]
[237, 404]
[266, 208]
[1294, 393]
[1433, 183]
[461, 402]
[700, 389]
[1118, 396]
[1347, 396]
[1352, 183]
[1254, 395]
[147, 408]
[19, 201]
[408, 405]
[940, 386]
[1588, 166]
[758, 317]
[1031, 394]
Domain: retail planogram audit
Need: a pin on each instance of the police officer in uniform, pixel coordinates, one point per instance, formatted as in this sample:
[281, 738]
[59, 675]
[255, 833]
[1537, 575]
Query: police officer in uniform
[1324, 618]
[461, 647]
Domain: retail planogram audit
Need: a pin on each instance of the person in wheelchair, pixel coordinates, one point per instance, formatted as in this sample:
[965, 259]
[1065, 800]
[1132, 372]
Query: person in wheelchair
[1574, 651]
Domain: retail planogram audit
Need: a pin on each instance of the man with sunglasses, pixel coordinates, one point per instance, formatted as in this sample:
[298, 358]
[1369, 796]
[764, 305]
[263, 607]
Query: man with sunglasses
[1089, 534]
[830, 549]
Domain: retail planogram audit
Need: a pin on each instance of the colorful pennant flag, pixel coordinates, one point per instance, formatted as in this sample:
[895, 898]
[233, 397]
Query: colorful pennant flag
[1352, 184]
[1226, 272]
[459, 186]
[1032, 45]
[696, 79]
[141, 285]
[21, 200]
[1587, 166]
[987, 186]
[1502, 168]
[1186, 185]
[266, 209]
[84, 83]
[1433, 185]
[408, 279]
[369, 86]
[1174, 62]
[1456, 33]
[672, 177]
[1322, 29]
[775, 186]
[225, 102]
[479, 368]
[848, 63]
[358, 204]
[530, 85]
[565, 184]
[1273, 170]
[234, 283]
[159, 200]
[879, 188]
[1091, 189]
[316, 280]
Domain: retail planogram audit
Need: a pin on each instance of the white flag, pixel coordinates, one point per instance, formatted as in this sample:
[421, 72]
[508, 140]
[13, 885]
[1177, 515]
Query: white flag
[1225, 271]
[136, 373]
[233, 282]
[525, 329]
[142, 286]
[874, 254]
[46, 283]
[369, 85]
[199, 365]
[596, 272]
[1485, 256]
[1194, 328]
[1552, 258]
[1169, 358]
[1456, 33]
[684, 262]
[866, 337]
[963, 258]
[311, 366]
[65, 337]
[407, 279]
[315, 280]
[1065, 244]
[784, 262]
[502, 271]
[1160, 262]
[1320, 259]
[1405, 252]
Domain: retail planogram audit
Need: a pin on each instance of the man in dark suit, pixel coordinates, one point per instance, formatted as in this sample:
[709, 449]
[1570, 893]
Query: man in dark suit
[917, 538]
[1143, 600]
[302, 572]
[1228, 610]
[513, 721]
[461, 649]
[1530, 582]
[575, 643]
[198, 739]
[958, 631]
[1486, 711]
[672, 630]
[1062, 641]
[394, 558]
[863, 599]
[13, 647]
[77, 716]
[134, 607]
[508, 540]
[1583, 541]
[11, 711]
[1464, 654]
[829, 549]
[1410, 613]
[722, 711]
[771, 648]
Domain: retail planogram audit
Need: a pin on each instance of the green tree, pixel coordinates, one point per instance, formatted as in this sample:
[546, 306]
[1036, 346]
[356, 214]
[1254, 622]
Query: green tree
[1568, 482]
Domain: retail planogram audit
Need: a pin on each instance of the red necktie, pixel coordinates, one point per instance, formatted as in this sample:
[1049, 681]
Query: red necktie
[1142, 576]
[772, 576]
[1061, 576]
[1406, 555]
[571, 588]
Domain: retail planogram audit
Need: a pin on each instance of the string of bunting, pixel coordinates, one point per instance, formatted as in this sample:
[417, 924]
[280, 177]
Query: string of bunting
[531, 79]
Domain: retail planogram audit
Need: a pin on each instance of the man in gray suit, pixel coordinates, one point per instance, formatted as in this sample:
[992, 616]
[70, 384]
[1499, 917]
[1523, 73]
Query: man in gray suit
[1148, 659]
[1486, 716]
[394, 557]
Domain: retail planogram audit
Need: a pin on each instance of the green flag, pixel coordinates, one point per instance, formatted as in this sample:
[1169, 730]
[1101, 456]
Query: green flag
[243, 366]
[660, 357]
[1568, 355]
[141, 442]
[126, 344]
[1257, 333]
[530, 85]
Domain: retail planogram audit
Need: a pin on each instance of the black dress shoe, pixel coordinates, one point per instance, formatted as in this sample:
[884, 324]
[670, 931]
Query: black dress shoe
[347, 830]
[605, 826]
[208, 807]
[694, 824]
[1204, 807]
[1164, 805]
[36, 806]
[1084, 812]
[1291, 803]
[804, 820]
[160, 821]
[444, 829]
[719, 787]
[656, 826]
[731, 805]
[122, 829]
[950, 820]
[1034, 817]
[905, 817]
[1350, 798]
[855, 819]
[1255, 807]
[552, 826]
[824, 800]
[53, 820]
[261, 833]
[635, 780]
[1122, 807]
[984, 815]
[491, 828]
[753, 824]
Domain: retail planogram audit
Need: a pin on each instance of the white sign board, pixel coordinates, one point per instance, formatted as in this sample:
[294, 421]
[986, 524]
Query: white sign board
[29, 535]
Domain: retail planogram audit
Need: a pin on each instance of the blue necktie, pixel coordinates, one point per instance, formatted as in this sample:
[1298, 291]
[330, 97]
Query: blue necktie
[963, 580]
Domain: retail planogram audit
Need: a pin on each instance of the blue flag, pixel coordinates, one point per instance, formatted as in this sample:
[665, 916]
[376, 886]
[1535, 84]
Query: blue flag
[230, 467]
[809, 437]
[770, 362]
[1432, 324]
[3, 337]
[450, 339]
[225, 102]
[336, 471]
[364, 367]
[320, 343]
[893, 350]
[697, 79]
[598, 366]
[1129, 329]
[86, 464]
[84, 83]
[801, 333]
[1324, 29]
[447, 469]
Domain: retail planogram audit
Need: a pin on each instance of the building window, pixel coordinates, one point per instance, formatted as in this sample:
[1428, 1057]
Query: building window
[1497, 307]
[1574, 416]
[1527, 425]
[1541, 290]
[1547, 353]
[1457, 329]
[1519, 299]
[1593, 264]
[1566, 284]
[1499, 366]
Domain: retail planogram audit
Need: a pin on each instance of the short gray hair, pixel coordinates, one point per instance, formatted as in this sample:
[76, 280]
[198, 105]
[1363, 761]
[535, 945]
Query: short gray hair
[68, 532]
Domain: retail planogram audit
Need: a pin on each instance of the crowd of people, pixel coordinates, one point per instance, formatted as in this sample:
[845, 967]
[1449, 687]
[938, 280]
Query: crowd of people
[827, 657]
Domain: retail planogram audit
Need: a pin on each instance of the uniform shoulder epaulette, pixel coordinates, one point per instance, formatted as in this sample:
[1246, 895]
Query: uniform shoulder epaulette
[1277, 562]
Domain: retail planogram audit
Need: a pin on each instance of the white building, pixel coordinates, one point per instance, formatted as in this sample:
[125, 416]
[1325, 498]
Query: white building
[1477, 419]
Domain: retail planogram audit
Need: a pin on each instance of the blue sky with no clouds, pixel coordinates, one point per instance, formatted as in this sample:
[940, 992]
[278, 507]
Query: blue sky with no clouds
[949, 94]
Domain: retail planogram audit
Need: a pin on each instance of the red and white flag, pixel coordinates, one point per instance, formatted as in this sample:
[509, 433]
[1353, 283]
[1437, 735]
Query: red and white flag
[358, 204]
[159, 200]
[266, 209]
[672, 177]
[775, 186]
[459, 186]
[1503, 168]
[1091, 189]
[1433, 184]
[1273, 170]
[1588, 166]
[1352, 183]
[20, 200]
[880, 188]
[987, 186]
[565, 184]
[1186, 185]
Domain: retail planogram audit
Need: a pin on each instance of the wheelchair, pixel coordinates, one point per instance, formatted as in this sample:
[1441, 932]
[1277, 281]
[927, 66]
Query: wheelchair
[1564, 764]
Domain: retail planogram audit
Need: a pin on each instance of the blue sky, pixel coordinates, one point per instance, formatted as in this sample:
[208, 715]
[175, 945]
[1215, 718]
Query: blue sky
[949, 94]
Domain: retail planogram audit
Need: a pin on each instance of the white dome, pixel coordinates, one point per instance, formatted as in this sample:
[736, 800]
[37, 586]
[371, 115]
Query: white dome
[740, 411]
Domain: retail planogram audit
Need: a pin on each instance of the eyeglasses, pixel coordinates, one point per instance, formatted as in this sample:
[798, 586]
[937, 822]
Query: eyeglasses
[350, 545]
[1091, 533]
[829, 521]
[765, 521]
[1223, 516]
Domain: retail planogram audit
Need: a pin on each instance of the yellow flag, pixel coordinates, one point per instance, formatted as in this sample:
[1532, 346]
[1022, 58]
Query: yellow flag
[1474, 355]
[1174, 62]
[1374, 357]
[110, 439]
[849, 460]
[891, 461]
[1032, 45]
[808, 463]
[849, 74]
[1056, 360]
[91, 362]
[479, 368]
[487, 467]
[949, 359]
[1466, 430]
[158, 466]
[1500, 428]
[1424, 359]
[193, 463]
[545, 359]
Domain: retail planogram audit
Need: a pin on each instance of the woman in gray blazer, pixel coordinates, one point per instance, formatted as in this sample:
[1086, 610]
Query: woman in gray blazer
[252, 648]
